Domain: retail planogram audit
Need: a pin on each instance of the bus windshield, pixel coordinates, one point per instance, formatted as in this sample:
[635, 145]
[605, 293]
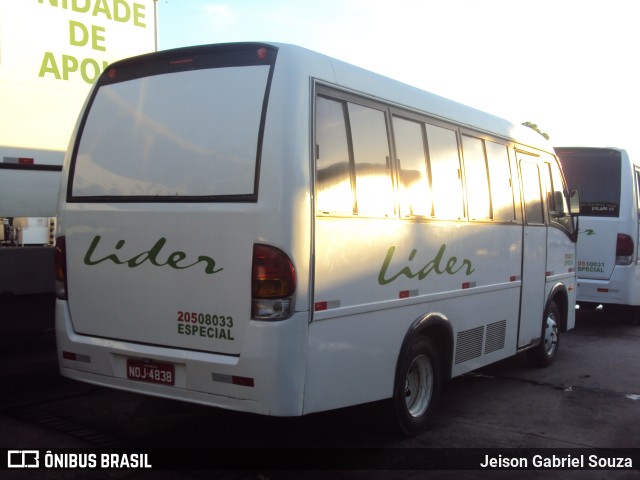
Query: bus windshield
[595, 173]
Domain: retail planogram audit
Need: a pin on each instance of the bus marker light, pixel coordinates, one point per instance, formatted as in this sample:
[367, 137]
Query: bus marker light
[76, 357]
[68, 355]
[242, 381]
[233, 379]
[320, 306]
[408, 293]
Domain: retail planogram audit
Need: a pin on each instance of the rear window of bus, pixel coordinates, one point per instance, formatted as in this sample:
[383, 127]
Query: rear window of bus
[165, 136]
[595, 173]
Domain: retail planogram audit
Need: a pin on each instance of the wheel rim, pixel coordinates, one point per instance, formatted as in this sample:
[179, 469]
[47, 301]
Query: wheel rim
[551, 335]
[419, 386]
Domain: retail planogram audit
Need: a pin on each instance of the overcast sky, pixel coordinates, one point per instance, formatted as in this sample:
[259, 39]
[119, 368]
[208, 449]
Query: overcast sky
[570, 66]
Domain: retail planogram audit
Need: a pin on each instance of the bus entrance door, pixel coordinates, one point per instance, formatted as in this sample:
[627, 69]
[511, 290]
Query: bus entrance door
[534, 252]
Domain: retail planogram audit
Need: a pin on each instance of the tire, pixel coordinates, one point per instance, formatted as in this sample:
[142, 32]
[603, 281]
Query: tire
[417, 387]
[546, 352]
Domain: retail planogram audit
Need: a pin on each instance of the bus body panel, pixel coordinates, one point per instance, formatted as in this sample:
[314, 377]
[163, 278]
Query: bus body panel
[386, 260]
[373, 280]
[353, 353]
[178, 301]
[533, 285]
[597, 248]
[561, 273]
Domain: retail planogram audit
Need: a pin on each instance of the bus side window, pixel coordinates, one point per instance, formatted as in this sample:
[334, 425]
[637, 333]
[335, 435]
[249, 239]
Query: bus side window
[333, 171]
[415, 188]
[445, 170]
[477, 181]
[532, 193]
[554, 196]
[557, 198]
[353, 165]
[373, 182]
[500, 181]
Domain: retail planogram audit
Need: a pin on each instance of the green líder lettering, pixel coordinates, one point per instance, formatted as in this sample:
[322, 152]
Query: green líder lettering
[437, 265]
[174, 260]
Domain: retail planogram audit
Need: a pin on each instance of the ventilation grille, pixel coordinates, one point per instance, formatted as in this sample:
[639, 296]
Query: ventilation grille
[469, 342]
[496, 333]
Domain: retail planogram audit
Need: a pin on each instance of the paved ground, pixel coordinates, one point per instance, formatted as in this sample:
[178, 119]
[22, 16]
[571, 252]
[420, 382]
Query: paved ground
[589, 399]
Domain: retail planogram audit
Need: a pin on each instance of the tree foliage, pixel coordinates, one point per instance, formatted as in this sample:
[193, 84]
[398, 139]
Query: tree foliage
[535, 127]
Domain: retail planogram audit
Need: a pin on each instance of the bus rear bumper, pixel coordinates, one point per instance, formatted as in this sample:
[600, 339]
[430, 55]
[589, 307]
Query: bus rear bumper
[242, 383]
[618, 290]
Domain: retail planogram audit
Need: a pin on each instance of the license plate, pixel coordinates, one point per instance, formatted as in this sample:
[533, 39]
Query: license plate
[150, 371]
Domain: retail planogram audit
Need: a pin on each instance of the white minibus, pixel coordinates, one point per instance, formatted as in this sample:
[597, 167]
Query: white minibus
[607, 259]
[262, 228]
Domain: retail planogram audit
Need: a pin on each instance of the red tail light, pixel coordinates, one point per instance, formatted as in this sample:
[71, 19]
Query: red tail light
[624, 250]
[273, 283]
[61, 268]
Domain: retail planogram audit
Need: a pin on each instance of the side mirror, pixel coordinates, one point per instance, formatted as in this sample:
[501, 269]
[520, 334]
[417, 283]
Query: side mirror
[574, 202]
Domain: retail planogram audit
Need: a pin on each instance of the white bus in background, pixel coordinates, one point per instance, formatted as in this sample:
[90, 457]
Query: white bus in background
[50, 54]
[274, 231]
[607, 261]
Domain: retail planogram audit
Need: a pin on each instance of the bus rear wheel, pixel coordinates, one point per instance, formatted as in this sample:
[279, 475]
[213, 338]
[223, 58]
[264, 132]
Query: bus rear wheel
[417, 387]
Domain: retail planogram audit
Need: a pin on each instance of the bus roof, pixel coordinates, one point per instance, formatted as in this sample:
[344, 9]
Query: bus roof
[409, 97]
[365, 82]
